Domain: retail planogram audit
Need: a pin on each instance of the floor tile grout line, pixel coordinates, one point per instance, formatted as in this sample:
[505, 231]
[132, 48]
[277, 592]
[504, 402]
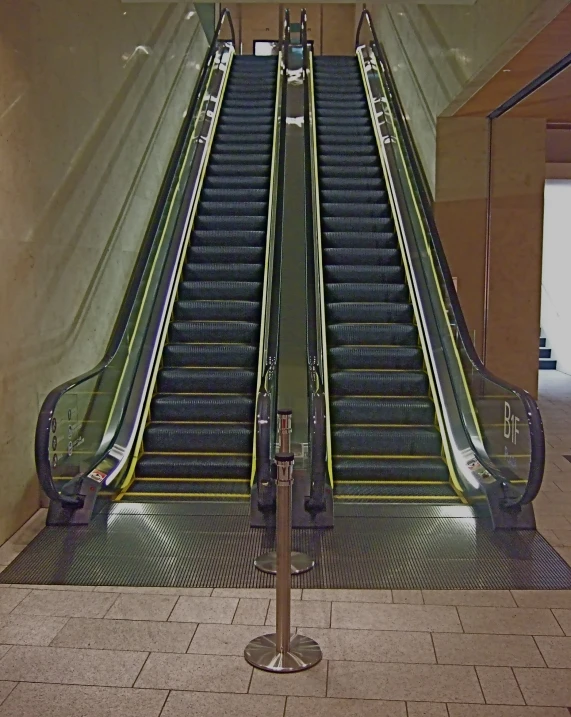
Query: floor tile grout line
[172, 610]
[480, 685]
[16, 683]
[534, 637]
[67, 619]
[328, 662]
[141, 670]
[519, 687]
[164, 703]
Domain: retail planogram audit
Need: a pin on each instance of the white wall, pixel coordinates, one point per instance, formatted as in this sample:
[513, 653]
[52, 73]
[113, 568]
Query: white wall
[91, 99]
[556, 278]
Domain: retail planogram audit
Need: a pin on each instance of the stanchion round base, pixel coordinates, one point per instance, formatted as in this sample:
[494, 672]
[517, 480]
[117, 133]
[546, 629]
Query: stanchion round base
[303, 654]
[268, 563]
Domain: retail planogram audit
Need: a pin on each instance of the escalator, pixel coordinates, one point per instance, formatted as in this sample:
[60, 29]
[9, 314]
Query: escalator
[168, 414]
[386, 439]
[402, 410]
[198, 441]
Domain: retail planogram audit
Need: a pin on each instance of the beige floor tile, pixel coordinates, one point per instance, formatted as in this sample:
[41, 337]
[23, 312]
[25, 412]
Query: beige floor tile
[38, 700]
[310, 683]
[506, 650]
[72, 667]
[417, 683]
[508, 621]
[142, 607]
[207, 609]
[563, 617]
[5, 689]
[207, 704]
[499, 686]
[55, 603]
[139, 635]
[383, 596]
[482, 598]
[204, 673]
[407, 618]
[555, 650]
[427, 709]
[9, 598]
[224, 639]
[4, 649]
[251, 593]
[373, 645]
[189, 592]
[551, 688]
[499, 711]
[251, 611]
[305, 613]
[29, 629]
[543, 598]
[408, 597]
[330, 707]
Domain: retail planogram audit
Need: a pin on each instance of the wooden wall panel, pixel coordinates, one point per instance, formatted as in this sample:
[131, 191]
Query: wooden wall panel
[338, 33]
[260, 21]
[314, 20]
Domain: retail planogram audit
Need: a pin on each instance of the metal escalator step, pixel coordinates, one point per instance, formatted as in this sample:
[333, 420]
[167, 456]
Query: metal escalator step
[229, 183]
[347, 172]
[362, 257]
[392, 411]
[223, 272]
[238, 355]
[364, 312]
[246, 223]
[172, 407]
[224, 487]
[366, 292]
[352, 224]
[375, 357]
[381, 440]
[242, 195]
[187, 466]
[365, 274]
[218, 332]
[340, 183]
[338, 197]
[189, 438]
[428, 493]
[228, 238]
[238, 290]
[226, 254]
[378, 383]
[349, 148]
[360, 240]
[206, 380]
[245, 173]
[347, 160]
[373, 334]
[391, 469]
[232, 209]
[223, 310]
[355, 209]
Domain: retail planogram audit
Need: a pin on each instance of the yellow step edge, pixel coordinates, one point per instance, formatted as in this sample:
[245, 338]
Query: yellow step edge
[384, 425]
[383, 457]
[390, 482]
[193, 480]
[235, 496]
[396, 498]
[205, 423]
[191, 453]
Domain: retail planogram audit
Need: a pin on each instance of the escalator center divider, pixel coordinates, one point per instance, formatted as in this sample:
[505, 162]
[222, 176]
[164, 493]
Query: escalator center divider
[386, 442]
[198, 441]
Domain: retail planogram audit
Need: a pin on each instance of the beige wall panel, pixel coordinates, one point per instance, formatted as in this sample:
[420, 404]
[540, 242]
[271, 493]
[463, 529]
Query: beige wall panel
[79, 172]
[338, 35]
[461, 211]
[259, 21]
[515, 247]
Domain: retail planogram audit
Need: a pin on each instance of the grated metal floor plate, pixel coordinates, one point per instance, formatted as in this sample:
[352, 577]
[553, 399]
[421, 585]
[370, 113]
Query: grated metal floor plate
[212, 545]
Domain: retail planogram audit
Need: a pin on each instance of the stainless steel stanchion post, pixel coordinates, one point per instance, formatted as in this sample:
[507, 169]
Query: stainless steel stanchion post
[279, 651]
[300, 562]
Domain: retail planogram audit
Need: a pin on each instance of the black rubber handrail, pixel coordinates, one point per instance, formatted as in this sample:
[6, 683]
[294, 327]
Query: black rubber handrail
[43, 425]
[537, 437]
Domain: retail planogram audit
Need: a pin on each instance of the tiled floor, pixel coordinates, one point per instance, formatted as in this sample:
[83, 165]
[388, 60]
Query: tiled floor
[115, 652]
